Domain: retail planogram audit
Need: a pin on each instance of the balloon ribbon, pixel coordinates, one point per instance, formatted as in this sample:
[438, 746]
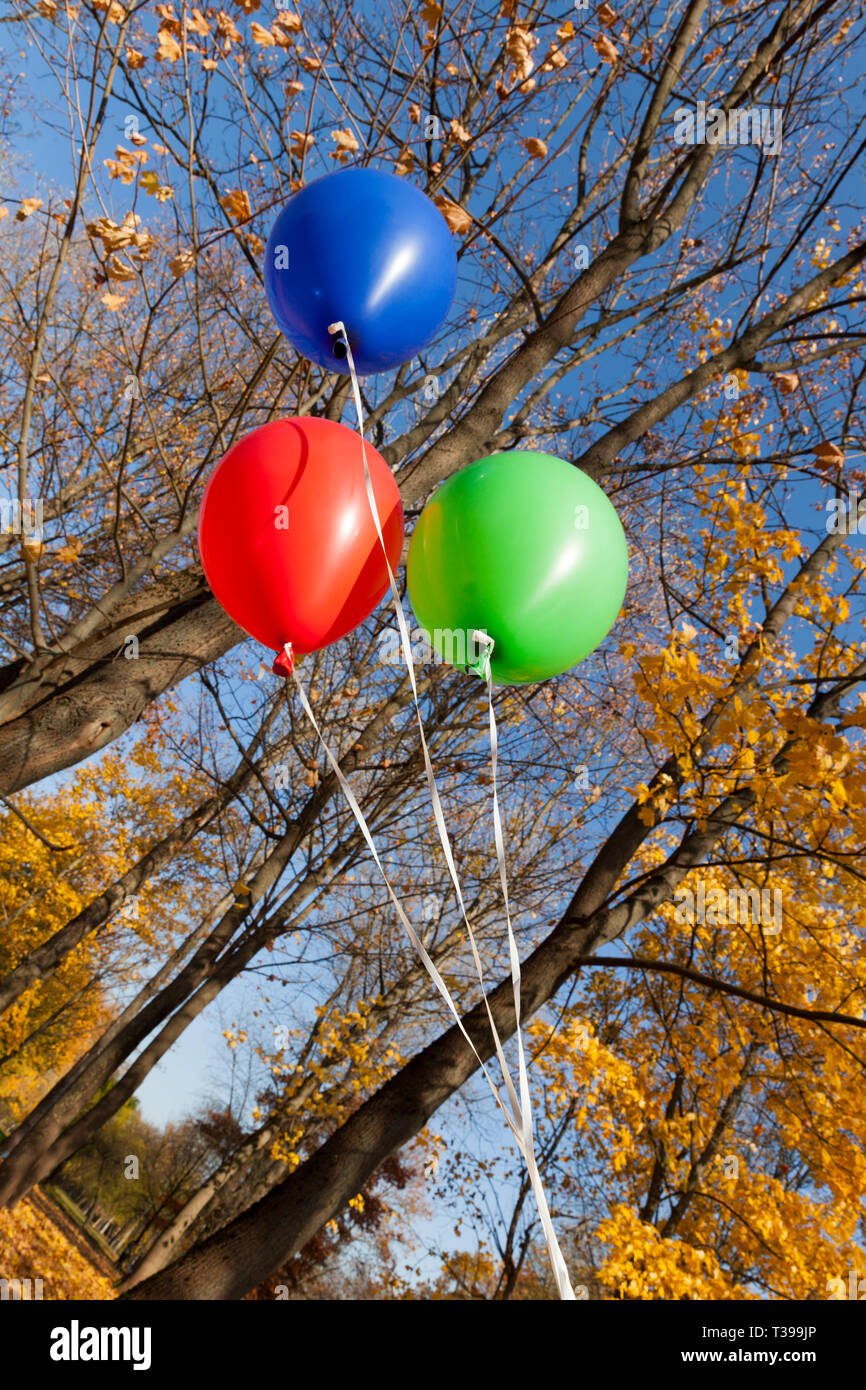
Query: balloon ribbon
[518, 1114]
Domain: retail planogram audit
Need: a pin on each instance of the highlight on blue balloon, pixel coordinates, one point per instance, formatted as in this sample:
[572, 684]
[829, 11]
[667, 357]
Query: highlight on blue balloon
[366, 248]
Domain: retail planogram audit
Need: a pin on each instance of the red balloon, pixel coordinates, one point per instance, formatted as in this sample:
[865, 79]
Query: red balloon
[286, 535]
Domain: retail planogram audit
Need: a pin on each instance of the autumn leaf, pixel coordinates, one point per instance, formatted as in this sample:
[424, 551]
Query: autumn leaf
[301, 142]
[169, 49]
[152, 184]
[237, 205]
[114, 237]
[227, 29]
[286, 26]
[293, 88]
[829, 453]
[606, 50]
[346, 143]
[555, 58]
[606, 15]
[787, 382]
[430, 12]
[27, 208]
[311, 64]
[535, 147]
[134, 58]
[112, 9]
[181, 262]
[117, 269]
[460, 133]
[70, 552]
[32, 547]
[113, 301]
[197, 23]
[459, 221]
[125, 164]
[262, 36]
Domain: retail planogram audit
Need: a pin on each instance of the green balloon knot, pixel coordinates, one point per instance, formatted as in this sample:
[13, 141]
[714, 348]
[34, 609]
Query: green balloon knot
[481, 665]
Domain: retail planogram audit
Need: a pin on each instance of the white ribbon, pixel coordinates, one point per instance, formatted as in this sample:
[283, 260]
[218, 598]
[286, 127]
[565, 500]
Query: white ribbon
[519, 1119]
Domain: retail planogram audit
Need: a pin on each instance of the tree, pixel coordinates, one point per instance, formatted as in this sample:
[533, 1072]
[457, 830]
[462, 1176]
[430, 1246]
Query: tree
[702, 300]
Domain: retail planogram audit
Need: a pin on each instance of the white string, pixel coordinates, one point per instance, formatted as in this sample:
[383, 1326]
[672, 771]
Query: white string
[520, 1119]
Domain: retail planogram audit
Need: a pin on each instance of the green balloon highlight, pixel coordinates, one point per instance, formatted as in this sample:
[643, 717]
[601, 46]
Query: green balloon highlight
[528, 549]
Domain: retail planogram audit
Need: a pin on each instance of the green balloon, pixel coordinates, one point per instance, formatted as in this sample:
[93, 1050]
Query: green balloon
[526, 548]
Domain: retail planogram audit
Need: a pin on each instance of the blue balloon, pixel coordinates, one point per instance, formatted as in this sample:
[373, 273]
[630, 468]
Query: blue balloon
[367, 248]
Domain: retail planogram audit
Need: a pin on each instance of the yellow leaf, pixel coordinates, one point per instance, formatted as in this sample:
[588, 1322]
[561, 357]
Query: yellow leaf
[113, 301]
[262, 36]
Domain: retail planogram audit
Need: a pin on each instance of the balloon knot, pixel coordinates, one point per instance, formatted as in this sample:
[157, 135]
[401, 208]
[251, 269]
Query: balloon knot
[480, 666]
[284, 662]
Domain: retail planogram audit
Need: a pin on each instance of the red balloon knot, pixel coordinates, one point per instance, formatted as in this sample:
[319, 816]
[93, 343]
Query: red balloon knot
[284, 662]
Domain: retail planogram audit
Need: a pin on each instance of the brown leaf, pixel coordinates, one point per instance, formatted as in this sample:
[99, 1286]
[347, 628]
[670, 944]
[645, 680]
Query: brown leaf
[262, 36]
[117, 269]
[606, 50]
[829, 453]
[458, 219]
[535, 147]
[301, 142]
[181, 262]
[113, 301]
[787, 382]
[606, 15]
[134, 59]
[27, 208]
